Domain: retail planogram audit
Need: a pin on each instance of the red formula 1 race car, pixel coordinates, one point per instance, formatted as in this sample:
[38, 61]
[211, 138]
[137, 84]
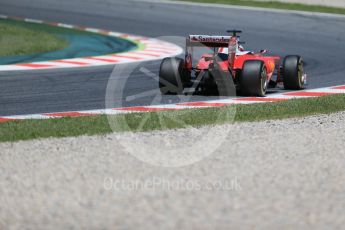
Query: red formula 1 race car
[228, 65]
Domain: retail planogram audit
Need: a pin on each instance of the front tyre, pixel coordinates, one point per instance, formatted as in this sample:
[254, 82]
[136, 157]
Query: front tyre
[292, 72]
[172, 76]
[253, 81]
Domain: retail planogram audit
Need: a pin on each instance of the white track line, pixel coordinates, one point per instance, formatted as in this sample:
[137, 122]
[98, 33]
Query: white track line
[187, 105]
[249, 8]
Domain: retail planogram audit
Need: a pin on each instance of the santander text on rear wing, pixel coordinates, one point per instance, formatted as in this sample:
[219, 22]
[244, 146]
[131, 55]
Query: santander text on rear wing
[208, 40]
[231, 42]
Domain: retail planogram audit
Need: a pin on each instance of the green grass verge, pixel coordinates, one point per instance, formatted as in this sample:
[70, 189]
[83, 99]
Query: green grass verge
[277, 5]
[15, 39]
[64, 127]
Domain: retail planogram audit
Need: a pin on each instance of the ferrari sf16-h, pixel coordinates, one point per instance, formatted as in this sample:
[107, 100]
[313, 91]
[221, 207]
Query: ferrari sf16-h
[229, 65]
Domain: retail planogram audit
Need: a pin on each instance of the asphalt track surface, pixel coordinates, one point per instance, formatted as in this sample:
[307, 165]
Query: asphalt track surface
[320, 40]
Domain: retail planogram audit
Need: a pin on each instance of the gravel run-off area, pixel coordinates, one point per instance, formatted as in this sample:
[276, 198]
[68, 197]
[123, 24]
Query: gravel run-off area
[284, 174]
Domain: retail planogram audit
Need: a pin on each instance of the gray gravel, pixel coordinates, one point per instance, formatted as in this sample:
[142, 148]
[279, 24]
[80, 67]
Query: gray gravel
[285, 174]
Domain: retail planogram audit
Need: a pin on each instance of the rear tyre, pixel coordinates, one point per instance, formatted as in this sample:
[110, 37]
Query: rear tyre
[292, 72]
[209, 84]
[223, 80]
[253, 81]
[172, 76]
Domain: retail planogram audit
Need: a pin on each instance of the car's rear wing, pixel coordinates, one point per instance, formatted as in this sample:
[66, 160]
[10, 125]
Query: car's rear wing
[208, 41]
[231, 42]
